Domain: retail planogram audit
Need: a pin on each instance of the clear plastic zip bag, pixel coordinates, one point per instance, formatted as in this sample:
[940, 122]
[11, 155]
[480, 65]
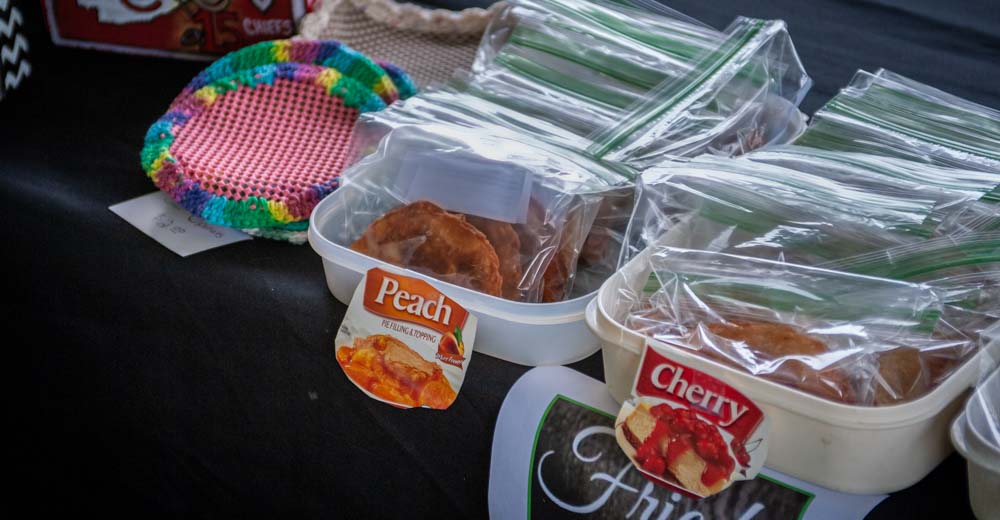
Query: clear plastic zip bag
[650, 86]
[489, 210]
[460, 102]
[965, 269]
[580, 64]
[739, 96]
[887, 114]
[448, 106]
[877, 175]
[631, 45]
[561, 71]
[579, 73]
[973, 183]
[762, 210]
[848, 338]
[556, 73]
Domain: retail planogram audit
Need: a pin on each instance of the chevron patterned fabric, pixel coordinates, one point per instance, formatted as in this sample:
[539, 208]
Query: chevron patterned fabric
[14, 65]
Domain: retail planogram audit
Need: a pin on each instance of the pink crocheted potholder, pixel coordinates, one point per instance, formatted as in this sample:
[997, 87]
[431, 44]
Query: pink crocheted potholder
[260, 148]
[273, 141]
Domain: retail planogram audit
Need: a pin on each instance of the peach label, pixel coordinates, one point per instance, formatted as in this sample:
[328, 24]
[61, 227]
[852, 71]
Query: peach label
[404, 342]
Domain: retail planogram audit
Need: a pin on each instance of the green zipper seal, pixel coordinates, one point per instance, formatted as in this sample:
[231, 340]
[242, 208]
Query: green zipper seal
[628, 128]
[626, 31]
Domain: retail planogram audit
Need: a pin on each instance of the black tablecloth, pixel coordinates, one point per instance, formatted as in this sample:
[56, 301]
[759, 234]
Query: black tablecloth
[149, 383]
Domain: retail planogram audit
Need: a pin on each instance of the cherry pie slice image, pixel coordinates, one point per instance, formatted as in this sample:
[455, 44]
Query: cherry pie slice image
[676, 445]
[688, 431]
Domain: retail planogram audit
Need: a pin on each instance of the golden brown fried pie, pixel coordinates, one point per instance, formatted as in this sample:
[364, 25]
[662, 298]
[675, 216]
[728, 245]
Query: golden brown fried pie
[423, 237]
[901, 376]
[775, 340]
[507, 246]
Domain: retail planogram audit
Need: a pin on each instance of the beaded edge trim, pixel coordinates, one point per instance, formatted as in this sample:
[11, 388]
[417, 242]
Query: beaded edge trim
[404, 84]
[258, 212]
[297, 238]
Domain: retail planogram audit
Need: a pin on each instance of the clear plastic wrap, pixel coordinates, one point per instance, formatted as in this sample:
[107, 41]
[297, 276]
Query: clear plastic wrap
[740, 96]
[566, 72]
[644, 86]
[584, 75]
[460, 102]
[584, 60]
[762, 210]
[489, 210]
[971, 182]
[965, 269]
[849, 338]
[938, 259]
[555, 74]
[887, 114]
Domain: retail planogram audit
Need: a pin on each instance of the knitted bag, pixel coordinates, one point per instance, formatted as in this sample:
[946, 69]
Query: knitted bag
[259, 138]
[429, 43]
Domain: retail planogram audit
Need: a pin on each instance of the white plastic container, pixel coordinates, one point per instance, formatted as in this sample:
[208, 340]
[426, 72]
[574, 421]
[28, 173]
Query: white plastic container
[855, 449]
[526, 333]
[976, 435]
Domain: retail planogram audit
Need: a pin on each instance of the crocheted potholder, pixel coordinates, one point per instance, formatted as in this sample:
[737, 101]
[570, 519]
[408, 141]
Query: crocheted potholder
[384, 78]
[258, 146]
[429, 43]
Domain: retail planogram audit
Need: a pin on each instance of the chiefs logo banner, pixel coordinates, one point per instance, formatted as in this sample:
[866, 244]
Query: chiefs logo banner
[180, 28]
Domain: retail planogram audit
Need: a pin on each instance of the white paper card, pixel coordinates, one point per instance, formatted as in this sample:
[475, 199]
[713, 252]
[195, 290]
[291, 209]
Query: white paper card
[555, 456]
[466, 183]
[158, 216]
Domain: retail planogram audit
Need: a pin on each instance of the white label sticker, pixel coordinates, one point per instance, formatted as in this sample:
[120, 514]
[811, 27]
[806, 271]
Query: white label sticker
[466, 183]
[158, 216]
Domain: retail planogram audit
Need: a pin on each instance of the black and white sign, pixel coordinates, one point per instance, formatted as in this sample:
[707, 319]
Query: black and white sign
[555, 456]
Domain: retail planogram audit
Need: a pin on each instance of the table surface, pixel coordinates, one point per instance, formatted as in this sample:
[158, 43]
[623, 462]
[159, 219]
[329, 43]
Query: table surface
[208, 384]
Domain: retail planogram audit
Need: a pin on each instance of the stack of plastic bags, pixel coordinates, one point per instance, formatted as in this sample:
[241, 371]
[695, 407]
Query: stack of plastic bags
[622, 83]
[574, 99]
[889, 115]
[861, 265]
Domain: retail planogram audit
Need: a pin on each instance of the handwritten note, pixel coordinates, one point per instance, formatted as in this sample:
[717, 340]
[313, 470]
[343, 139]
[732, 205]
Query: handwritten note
[158, 216]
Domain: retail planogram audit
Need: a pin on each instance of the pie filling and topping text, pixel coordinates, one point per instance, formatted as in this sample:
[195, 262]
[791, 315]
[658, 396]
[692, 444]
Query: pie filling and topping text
[405, 343]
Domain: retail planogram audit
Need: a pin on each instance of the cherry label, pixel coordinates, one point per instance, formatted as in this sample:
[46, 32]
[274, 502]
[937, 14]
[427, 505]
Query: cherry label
[687, 430]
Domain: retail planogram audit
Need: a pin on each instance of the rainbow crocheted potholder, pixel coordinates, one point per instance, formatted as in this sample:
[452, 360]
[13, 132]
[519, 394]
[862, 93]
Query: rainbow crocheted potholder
[256, 140]
[326, 53]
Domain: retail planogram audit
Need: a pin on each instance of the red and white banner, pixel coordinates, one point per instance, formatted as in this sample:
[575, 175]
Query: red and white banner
[180, 28]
